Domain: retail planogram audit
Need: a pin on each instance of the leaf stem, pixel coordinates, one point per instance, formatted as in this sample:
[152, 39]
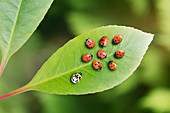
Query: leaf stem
[18, 91]
[2, 66]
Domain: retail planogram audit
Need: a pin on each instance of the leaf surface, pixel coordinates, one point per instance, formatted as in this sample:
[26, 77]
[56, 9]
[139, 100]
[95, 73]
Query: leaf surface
[19, 19]
[54, 76]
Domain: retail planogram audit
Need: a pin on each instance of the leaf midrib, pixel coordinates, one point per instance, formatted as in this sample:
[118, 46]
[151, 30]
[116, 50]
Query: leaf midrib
[14, 27]
[64, 73]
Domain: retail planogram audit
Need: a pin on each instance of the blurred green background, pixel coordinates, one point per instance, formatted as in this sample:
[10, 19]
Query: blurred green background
[146, 91]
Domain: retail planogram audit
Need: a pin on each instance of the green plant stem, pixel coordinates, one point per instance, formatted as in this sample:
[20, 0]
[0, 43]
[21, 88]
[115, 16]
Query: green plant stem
[18, 91]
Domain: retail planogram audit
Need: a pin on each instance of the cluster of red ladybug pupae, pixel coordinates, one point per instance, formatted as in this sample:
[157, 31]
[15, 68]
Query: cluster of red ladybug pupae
[90, 43]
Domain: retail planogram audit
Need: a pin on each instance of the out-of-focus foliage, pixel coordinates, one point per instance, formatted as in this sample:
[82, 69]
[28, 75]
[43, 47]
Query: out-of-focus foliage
[158, 100]
[151, 72]
[164, 18]
[140, 7]
[146, 91]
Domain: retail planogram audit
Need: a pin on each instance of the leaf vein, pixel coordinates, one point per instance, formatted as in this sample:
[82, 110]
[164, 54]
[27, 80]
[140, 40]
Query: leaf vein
[15, 22]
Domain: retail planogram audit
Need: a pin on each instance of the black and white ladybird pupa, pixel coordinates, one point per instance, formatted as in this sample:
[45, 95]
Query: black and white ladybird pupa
[76, 77]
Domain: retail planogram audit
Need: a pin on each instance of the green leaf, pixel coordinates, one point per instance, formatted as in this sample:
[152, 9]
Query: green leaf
[54, 76]
[19, 19]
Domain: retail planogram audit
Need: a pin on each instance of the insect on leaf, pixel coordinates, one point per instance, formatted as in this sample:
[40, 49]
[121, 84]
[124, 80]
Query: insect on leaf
[54, 76]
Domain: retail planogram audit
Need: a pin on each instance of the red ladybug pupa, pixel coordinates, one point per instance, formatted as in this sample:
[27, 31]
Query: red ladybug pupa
[87, 57]
[104, 41]
[117, 39]
[101, 54]
[90, 43]
[119, 53]
[112, 65]
[97, 65]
